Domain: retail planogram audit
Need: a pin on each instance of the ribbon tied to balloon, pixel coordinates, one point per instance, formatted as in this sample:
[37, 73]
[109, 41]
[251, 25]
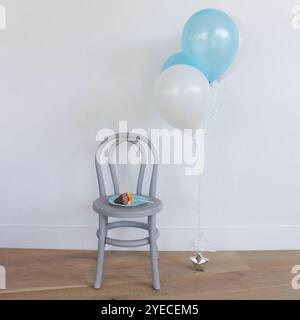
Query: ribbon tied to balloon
[183, 90]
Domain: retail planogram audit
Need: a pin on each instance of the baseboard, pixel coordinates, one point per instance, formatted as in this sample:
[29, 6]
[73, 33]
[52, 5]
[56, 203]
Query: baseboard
[171, 238]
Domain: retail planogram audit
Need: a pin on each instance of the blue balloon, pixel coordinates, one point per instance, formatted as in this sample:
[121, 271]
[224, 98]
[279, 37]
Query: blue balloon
[210, 41]
[177, 58]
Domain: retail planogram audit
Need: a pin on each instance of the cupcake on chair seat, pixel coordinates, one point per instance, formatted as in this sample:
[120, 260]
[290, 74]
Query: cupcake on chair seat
[124, 199]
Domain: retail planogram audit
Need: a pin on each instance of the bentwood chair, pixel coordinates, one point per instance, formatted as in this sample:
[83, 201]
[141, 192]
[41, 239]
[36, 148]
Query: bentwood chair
[147, 210]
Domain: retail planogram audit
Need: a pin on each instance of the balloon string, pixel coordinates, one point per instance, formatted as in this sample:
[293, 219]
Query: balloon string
[197, 242]
[216, 86]
[199, 214]
[214, 110]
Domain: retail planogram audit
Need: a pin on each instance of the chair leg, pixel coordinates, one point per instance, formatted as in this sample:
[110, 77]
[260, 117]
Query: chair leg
[101, 246]
[154, 252]
[106, 223]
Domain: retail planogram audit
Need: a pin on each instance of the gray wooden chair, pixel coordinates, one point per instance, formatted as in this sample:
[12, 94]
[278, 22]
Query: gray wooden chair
[148, 210]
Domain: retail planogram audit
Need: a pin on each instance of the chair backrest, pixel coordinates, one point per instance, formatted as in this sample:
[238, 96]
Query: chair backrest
[112, 143]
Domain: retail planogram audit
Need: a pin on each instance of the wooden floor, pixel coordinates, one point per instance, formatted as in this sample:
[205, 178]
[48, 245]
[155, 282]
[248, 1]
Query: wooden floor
[55, 274]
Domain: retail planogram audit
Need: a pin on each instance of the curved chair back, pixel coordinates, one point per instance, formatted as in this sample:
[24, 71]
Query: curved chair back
[112, 143]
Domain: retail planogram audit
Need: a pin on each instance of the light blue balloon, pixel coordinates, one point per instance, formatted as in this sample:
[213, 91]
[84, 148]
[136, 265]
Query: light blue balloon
[210, 41]
[177, 58]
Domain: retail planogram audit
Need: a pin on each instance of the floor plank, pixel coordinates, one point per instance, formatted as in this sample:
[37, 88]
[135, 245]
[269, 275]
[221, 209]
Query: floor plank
[69, 274]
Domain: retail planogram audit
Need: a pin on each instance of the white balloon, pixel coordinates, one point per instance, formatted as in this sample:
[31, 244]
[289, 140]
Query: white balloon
[183, 96]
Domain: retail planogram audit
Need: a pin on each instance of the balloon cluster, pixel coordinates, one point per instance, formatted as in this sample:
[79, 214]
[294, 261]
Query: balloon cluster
[183, 90]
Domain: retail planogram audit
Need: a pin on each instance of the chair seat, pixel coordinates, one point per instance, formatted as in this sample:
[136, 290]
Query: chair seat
[102, 206]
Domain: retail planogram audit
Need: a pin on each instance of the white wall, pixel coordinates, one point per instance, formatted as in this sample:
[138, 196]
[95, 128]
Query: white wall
[69, 68]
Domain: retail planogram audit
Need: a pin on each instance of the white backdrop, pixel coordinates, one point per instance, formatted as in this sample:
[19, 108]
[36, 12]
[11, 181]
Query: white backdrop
[69, 68]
